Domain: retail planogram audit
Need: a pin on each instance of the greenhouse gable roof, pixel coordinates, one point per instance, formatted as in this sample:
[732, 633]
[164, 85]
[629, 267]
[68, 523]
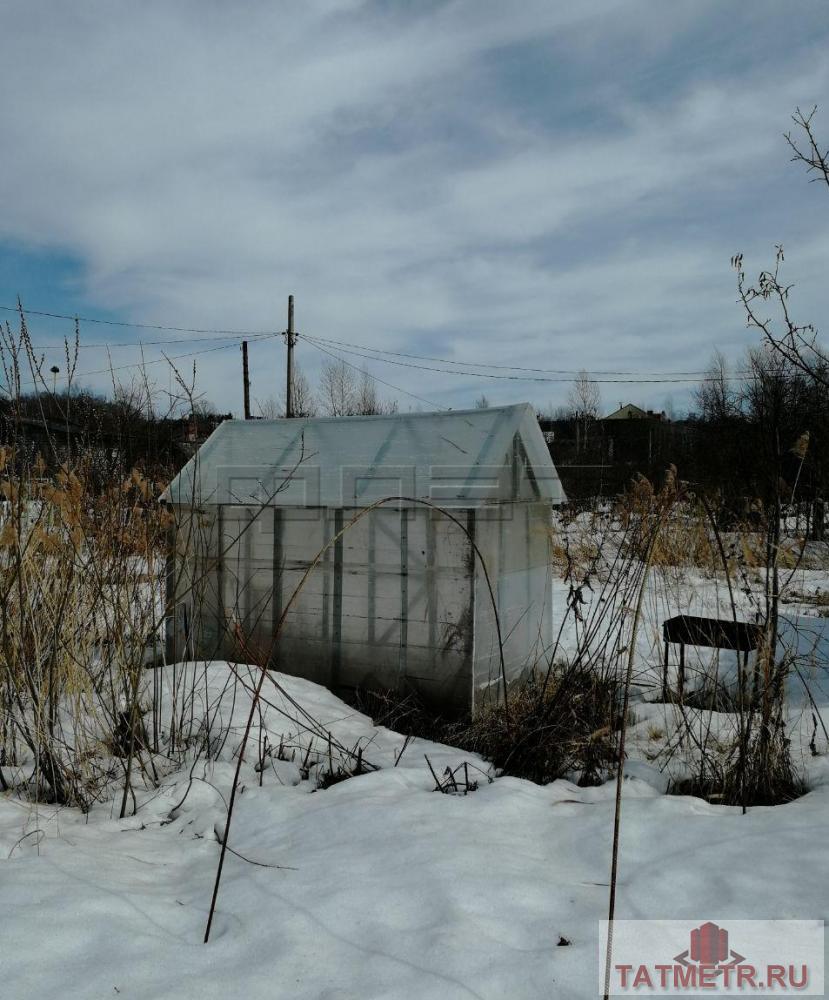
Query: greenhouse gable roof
[465, 458]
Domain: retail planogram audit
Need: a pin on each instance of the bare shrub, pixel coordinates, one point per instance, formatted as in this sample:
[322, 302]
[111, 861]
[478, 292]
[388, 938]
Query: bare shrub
[565, 728]
[78, 614]
[83, 559]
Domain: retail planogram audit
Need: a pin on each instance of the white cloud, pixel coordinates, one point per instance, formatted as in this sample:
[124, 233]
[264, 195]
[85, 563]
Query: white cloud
[201, 160]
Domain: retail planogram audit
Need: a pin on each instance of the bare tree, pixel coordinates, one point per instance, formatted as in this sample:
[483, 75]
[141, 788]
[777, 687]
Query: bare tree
[304, 403]
[584, 399]
[808, 151]
[368, 400]
[343, 395]
[269, 408]
[715, 397]
[482, 402]
[796, 342]
[203, 407]
[338, 389]
[303, 400]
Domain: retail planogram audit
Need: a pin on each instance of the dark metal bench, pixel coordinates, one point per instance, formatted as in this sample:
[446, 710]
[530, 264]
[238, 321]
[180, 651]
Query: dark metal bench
[716, 633]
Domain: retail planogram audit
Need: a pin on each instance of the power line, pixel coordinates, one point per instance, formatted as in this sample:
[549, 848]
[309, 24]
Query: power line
[110, 346]
[141, 364]
[477, 364]
[374, 354]
[512, 378]
[375, 378]
[158, 361]
[159, 343]
[138, 326]
[339, 344]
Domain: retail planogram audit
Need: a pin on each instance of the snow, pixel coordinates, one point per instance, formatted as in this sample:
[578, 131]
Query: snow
[378, 886]
[803, 630]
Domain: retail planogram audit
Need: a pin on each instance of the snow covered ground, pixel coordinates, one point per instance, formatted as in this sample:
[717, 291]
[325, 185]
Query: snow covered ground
[377, 886]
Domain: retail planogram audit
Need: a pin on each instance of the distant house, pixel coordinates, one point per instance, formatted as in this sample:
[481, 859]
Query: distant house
[628, 411]
[191, 431]
[394, 594]
[634, 437]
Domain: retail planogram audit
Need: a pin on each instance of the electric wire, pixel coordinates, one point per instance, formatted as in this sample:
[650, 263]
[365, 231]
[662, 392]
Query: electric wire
[397, 388]
[368, 353]
[480, 364]
[138, 326]
[512, 378]
[135, 364]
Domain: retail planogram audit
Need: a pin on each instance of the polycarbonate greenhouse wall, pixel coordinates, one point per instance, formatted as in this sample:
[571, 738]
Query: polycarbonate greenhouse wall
[372, 537]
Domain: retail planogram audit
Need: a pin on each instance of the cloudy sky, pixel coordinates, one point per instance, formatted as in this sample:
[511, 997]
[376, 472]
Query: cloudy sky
[553, 185]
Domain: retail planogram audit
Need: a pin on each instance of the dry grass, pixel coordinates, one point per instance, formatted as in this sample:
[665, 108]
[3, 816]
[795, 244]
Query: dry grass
[765, 777]
[77, 611]
[567, 730]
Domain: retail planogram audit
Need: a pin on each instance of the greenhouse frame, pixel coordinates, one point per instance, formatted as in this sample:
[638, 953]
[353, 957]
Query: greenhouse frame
[397, 552]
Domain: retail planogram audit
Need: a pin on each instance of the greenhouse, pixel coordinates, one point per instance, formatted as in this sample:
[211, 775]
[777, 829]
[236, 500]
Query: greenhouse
[397, 552]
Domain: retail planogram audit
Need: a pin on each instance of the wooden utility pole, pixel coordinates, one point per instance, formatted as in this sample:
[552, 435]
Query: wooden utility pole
[290, 337]
[245, 379]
